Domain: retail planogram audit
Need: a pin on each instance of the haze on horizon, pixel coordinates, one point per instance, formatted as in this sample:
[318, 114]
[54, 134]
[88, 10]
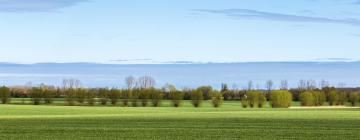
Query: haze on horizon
[109, 31]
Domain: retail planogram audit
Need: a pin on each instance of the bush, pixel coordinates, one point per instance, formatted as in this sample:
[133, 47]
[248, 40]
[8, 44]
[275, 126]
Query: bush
[206, 90]
[135, 97]
[342, 98]
[36, 95]
[307, 98]
[333, 98]
[49, 95]
[227, 94]
[80, 95]
[114, 95]
[262, 100]
[197, 98]
[104, 96]
[144, 97]
[90, 97]
[156, 96]
[354, 98]
[176, 97]
[280, 99]
[244, 102]
[253, 98]
[217, 98]
[5, 94]
[70, 96]
[319, 98]
[125, 96]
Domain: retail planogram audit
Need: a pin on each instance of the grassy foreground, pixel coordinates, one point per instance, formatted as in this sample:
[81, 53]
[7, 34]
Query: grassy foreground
[228, 122]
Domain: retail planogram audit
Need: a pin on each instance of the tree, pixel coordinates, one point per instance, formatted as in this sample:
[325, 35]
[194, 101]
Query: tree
[354, 98]
[144, 96]
[70, 96]
[307, 98]
[262, 100]
[36, 95]
[49, 95]
[250, 85]
[176, 97]
[319, 98]
[334, 98]
[269, 85]
[197, 98]
[104, 95]
[224, 87]
[125, 96]
[284, 85]
[156, 96]
[206, 90]
[217, 98]
[90, 97]
[253, 98]
[135, 94]
[145, 82]
[5, 94]
[114, 95]
[80, 95]
[130, 82]
[281, 99]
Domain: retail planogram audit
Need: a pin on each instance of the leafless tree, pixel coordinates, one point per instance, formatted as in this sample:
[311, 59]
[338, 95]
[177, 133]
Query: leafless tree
[324, 84]
[302, 84]
[168, 88]
[71, 83]
[130, 82]
[284, 85]
[269, 85]
[146, 82]
[311, 84]
[250, 85]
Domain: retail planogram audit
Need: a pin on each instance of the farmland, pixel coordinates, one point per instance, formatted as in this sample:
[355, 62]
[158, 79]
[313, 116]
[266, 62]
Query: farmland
[230, 121]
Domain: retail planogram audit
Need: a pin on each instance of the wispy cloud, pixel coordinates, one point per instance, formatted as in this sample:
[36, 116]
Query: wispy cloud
[36, 5]
[254, 14]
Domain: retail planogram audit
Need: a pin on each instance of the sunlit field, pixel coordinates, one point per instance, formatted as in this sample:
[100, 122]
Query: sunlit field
[230, 121]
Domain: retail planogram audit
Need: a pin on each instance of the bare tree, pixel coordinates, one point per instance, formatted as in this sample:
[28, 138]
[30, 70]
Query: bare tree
[250, 85]
[130, 82]
[146, 82]
[269, 85]
[284, 85]
[311, 84]
[324, 84]
[302, 84]
[71, 83]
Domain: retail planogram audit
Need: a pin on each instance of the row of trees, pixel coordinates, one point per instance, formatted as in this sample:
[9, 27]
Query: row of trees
[141, 92]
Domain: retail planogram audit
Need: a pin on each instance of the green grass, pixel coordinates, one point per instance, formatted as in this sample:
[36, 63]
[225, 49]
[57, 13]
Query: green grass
[228, 122]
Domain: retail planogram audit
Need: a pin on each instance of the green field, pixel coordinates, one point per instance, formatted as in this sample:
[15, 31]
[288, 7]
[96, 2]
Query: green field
[228, 122]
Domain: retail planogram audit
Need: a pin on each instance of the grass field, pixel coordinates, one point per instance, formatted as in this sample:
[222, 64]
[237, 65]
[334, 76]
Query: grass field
[228, 122]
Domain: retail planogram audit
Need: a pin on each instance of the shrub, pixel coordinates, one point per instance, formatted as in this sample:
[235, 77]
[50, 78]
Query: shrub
[156, 96]
[176, 97]
[342, 98]
[5, 94]
[217, 98]
[144, 97]
[227, 94]
[281, 99]
[70, 96]
[307, 98]
[36, 95]
[80, 95]
[125, 96]
[333, 98]
[253, 98]
[206, 90]
[197, 98]
[262, 100]
[135, 97]
[354, 98]
[49, 95]
[104, 96]
[319, 98]
[114, 95]
[90, 97]
[244, 102]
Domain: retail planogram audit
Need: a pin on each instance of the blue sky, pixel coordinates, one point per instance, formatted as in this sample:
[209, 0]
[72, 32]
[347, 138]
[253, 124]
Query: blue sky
[178, 30]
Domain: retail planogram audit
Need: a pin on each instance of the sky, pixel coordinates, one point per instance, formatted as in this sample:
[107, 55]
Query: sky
[162, 31]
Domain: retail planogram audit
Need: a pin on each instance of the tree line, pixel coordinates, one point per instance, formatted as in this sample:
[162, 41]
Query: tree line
[142, 92]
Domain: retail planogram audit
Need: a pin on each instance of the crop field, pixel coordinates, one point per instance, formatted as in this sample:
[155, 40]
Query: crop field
[230, 121]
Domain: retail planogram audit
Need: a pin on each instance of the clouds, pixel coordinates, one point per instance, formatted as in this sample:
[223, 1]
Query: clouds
[36, 5]
[254, 14]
